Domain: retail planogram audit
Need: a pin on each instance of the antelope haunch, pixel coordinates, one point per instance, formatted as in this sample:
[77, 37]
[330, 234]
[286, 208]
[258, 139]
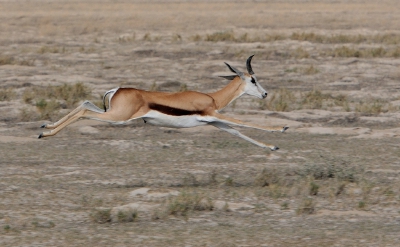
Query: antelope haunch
[177, 110]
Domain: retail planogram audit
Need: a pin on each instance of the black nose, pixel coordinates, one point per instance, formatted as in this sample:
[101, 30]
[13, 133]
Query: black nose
[265, 95]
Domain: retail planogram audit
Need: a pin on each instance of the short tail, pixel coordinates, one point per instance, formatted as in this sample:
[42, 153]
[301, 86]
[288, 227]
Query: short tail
[104, 98]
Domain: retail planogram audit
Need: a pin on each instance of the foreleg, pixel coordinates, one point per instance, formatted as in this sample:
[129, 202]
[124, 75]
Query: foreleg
[219, 118]
[232, 131]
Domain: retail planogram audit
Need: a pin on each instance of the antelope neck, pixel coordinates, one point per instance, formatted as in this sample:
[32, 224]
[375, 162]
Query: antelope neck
[227, 94]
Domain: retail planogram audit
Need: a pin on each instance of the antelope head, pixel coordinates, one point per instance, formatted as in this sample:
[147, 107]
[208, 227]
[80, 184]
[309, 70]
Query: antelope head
[249, 80]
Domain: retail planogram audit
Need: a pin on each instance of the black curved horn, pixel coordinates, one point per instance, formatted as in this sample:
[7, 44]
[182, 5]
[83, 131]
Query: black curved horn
[248, 65]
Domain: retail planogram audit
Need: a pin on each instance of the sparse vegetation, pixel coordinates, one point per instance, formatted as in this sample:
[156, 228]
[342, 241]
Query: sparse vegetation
[6, 59]
[313, 188]
[361, 205]
[101, 216]
[300, 53]
[48, 100]
[280, 100]
[268, 176]
[127, 38]
[330, 169]
[7, 94]
[306, 206]
[372, 106]
[124, 216]
[187, 202]
[10, 60]
[336, 186]
[220, 36]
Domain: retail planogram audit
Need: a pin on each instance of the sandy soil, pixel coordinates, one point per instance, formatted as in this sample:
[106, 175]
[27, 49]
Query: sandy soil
[334, 181]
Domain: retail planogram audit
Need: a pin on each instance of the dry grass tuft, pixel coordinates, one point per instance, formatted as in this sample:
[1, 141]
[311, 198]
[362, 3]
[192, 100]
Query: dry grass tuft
[314, 99]
[125, 215]
[330, 169]
[300, 53]
[187, 202]
[101, 215]
[268, 176]
[9, 60]
[307, 206]
[220, 36]
[281, 100]
[5, 59]
[7, 94]
[374, 106]
[48, 100]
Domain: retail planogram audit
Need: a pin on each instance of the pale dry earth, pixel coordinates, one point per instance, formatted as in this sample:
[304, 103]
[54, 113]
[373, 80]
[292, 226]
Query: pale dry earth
[51, 188]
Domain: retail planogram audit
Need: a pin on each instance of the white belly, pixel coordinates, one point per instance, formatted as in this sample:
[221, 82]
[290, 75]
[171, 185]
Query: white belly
[160, 119]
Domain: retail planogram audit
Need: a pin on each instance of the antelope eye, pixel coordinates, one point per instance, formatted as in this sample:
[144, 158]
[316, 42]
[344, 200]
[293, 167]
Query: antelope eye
[253, 81]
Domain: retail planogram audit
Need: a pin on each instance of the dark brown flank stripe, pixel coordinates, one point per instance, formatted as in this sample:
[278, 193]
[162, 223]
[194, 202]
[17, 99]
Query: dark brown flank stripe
[172, 111]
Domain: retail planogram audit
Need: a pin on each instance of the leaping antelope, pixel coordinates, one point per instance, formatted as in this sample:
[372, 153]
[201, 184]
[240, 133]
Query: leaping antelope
[176, 110]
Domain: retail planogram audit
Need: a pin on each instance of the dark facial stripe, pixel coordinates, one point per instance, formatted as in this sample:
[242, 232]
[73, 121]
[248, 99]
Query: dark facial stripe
[172, 111]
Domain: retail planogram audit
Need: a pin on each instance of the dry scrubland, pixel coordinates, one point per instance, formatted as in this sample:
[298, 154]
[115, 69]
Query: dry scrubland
[332, 69]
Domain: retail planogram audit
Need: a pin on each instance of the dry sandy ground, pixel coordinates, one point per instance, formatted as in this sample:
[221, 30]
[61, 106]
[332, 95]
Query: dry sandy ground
[334, 181]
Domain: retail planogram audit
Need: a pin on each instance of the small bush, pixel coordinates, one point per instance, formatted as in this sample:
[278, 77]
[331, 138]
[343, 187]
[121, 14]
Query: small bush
[307, 206]
[196, 38]
[314, 189]
[372, 106]
[147, 37]
[311, 37]
[229, 181]
[48, 49]
[48, 109]
[361, 205]
[101, 216]
[285, 206]
[176, 38]
[187, 202]
[300, 53]
[220, 36]
[311, 70]
[314, 99]
[49, 100]
[7, 94]
[268, 176]
[345, 51]
[5, 59]
[124, 216]
[281, 100]
[339, 171]
[127, 38]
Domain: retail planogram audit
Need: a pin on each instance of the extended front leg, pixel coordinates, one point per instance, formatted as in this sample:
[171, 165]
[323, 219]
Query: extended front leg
[216, 117]
[232, 131]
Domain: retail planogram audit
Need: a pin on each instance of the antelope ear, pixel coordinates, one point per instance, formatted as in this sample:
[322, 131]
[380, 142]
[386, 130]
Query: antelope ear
[228, 77]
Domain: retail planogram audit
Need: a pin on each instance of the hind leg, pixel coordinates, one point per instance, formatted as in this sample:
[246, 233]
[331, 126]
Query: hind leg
[86, 110]
[85, 105]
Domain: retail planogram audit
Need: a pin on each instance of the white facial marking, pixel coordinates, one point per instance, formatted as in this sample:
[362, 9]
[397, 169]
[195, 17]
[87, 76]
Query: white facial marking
[254, 88]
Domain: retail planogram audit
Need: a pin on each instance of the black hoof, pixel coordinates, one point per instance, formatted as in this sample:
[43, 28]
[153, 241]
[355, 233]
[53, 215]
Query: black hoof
[40, 136]
[274, 148]
[43, 126]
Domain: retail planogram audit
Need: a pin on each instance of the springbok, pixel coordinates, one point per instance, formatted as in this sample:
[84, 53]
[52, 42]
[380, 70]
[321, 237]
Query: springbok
[176, 110]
